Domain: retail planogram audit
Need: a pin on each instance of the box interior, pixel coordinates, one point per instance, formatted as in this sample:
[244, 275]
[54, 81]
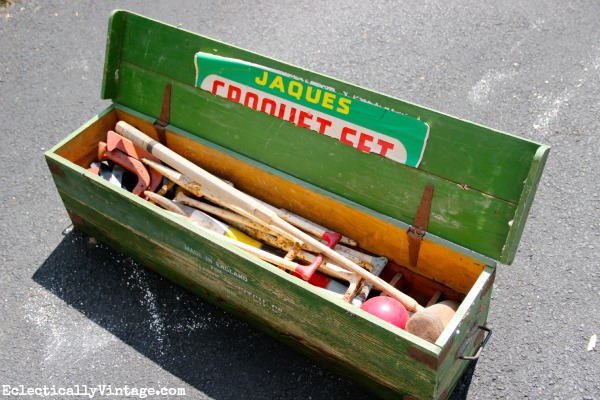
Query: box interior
[375, 233]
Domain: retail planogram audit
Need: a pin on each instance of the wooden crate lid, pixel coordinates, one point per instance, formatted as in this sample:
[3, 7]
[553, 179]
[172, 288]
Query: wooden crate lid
[484, 180]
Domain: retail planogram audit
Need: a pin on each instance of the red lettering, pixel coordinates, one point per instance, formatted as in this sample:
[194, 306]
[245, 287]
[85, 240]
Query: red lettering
[304, 115]
[385, 146]
[253, 97]
[281, 112]
[324, 124]
[292, 114]
[362, 142]
[268, 102]
[234, 93]
[344, 136]
[216, 85]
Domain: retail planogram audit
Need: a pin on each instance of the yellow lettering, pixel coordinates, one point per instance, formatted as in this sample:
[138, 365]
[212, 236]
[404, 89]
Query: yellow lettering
[262, 81]
[328, 100]
[297, 92]
[344, 105]
[317, 97]
[277, 83]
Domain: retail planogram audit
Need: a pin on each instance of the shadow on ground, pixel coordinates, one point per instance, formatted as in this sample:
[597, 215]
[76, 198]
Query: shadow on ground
[187, 337]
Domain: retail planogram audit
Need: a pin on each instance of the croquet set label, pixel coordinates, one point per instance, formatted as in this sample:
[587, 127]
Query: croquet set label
[309, 105]
[383, 272]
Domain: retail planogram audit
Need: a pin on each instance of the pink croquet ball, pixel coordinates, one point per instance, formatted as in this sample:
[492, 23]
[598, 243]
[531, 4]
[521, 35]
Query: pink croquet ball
[388, 309]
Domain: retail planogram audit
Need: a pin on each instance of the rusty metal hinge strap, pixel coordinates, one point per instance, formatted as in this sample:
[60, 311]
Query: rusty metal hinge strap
[165, 115]
[417, 230]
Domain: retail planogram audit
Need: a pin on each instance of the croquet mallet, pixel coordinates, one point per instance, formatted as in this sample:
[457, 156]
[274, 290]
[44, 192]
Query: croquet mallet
[251, 207]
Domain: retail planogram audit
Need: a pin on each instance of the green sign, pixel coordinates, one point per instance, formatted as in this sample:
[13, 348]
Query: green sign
[355, 122]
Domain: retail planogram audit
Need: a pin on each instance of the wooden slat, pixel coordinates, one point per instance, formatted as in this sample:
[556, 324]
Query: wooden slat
[114, 44]
[518, 223]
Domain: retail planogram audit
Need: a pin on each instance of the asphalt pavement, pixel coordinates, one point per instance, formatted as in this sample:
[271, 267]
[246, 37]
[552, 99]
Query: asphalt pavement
[74, 312]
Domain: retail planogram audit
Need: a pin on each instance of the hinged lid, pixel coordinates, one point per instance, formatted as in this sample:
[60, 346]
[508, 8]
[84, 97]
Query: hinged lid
[484, 180]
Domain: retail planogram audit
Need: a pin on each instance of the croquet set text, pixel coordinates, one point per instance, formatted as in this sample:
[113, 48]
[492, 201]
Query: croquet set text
[354, 122]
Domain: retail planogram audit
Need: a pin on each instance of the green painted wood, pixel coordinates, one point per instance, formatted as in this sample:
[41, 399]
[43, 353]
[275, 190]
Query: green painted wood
[474, 162]
[529, 190]
[112, 55]
[375, 182]
[290, 309]
[459, 339]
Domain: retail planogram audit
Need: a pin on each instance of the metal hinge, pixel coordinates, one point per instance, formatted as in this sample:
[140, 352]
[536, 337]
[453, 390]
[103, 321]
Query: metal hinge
[165, 116]
[418, 229]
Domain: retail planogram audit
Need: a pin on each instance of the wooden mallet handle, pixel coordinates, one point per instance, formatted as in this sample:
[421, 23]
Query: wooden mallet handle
[255, 208]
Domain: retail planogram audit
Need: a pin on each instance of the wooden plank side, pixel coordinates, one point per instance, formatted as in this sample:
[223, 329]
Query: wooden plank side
[518, 223]
[467, 217]
[478, 157]
[155, 258]
[114, 43]
[349, 337]
[76, 147]
[463, 338]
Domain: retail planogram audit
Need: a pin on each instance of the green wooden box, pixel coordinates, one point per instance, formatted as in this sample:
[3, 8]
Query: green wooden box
[344, 177]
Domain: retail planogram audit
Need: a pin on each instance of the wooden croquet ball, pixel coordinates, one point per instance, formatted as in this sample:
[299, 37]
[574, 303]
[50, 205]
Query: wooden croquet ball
[430, 323]
[388, 309]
